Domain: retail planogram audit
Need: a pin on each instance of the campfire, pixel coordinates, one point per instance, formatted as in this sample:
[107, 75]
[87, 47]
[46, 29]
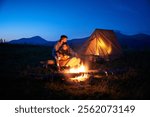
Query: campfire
[80, 71]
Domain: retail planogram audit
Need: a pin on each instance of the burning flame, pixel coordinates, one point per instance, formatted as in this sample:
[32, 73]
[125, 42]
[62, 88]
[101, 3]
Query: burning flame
[78, 70]
[79, 78]
[81, 69]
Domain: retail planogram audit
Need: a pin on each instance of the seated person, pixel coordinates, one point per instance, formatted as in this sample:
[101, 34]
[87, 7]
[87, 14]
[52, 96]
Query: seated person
[67, 57]
[63, 39]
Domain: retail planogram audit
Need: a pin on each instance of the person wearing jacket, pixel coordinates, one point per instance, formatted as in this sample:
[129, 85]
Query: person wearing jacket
[63, 39]
[67, 57]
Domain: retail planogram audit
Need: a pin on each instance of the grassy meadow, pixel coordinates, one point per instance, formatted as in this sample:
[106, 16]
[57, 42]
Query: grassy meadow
[23, 77]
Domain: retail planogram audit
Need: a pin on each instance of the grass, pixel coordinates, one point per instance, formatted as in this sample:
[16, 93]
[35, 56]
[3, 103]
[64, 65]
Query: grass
[23, 77]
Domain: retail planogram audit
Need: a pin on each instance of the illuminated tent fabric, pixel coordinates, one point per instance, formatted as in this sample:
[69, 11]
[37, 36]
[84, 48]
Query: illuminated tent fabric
[102, 43]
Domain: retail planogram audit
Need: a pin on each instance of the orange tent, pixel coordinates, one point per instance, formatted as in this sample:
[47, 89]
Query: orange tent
[102, 43]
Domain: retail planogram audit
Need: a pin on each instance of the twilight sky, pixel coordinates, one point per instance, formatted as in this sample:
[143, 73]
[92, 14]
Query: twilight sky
[75, 18]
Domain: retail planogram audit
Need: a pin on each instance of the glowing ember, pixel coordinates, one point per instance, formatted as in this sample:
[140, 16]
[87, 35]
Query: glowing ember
[82, 69]
[79, 78]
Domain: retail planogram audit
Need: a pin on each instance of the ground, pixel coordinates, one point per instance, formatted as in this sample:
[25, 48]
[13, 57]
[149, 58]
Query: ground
[23, 77]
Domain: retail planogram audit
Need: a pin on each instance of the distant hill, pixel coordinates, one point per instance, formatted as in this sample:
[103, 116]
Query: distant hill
[137, 41]
[77, 43]
[37, 40]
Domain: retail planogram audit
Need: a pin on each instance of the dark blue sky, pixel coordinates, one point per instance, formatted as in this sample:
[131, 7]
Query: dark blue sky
[75, 18]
